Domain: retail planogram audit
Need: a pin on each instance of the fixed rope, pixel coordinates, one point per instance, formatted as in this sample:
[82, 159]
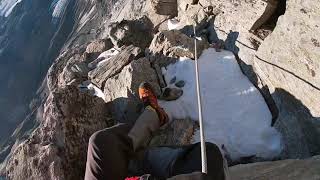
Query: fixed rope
[202, 137]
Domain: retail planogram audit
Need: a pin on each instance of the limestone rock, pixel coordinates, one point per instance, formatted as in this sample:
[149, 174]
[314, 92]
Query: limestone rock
[137, 32]
[176, 44]
[278, 170]
[114, 65]
[57, 148]
[122, 89]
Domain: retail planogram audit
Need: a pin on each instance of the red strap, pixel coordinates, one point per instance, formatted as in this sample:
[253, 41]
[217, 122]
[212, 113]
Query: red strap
[132, 178]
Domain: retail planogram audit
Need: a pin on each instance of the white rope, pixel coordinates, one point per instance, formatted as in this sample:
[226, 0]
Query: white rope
[202, 138]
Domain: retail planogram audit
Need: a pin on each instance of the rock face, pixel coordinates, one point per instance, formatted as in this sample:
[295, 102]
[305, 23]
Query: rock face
[136, 32]
[288, 64]
[114, 65]
[176, 44]
[278, 170]
[122, 89]
[57, 148]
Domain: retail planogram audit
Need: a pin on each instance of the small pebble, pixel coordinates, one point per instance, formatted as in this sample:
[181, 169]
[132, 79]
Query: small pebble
[180, 84]
[171, 94]
[173, 80]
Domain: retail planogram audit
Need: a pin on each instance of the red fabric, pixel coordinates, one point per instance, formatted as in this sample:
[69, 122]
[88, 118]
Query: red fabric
[132, 178]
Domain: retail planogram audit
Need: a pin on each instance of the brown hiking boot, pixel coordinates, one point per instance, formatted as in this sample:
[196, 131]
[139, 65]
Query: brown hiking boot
[149, 98]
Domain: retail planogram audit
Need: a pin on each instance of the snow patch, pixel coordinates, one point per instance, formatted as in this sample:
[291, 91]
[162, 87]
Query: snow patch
[92, 89]
[173, 24]
[6, 7]
[97, 92]
[235, 113]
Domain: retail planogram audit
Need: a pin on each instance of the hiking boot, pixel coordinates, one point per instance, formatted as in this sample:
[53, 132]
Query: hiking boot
[148, 97]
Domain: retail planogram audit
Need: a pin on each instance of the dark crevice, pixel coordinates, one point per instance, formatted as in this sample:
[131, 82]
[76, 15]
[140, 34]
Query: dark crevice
[268, 20]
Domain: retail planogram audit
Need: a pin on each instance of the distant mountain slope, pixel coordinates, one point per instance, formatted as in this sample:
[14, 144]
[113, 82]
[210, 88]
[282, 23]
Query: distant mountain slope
[29, 43]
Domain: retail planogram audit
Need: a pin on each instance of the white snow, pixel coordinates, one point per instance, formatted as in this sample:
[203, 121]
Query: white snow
[103, 57]
[107, 55]
[97, 92]
[235, 113]
[59, 8]
[87, 85]
[173, 24]
[6, 7]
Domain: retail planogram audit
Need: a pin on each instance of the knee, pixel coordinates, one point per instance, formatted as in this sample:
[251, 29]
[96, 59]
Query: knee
[212, 146]
[213, 149]
[100, 137]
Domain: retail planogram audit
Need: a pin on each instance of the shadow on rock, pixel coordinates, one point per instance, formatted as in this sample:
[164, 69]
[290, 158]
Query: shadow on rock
[300, 130]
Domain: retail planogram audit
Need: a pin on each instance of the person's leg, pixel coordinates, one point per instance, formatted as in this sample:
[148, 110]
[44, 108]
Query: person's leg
[110, 150]
[270, 9]
[108, 154]
[183, 162]
[190, 161]
[142, 131]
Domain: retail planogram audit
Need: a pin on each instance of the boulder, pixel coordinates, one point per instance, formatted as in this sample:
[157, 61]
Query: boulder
[57, 148]
[114, 65]
[95, 48]
[176, 44]
[137, 32]
[103, 56]
[171, 94]
[165, 7]
[122, 89]
[74, 72]
[292, 169]
[57, 72]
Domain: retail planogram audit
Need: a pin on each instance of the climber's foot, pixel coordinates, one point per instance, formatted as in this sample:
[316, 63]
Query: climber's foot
[148, 97]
